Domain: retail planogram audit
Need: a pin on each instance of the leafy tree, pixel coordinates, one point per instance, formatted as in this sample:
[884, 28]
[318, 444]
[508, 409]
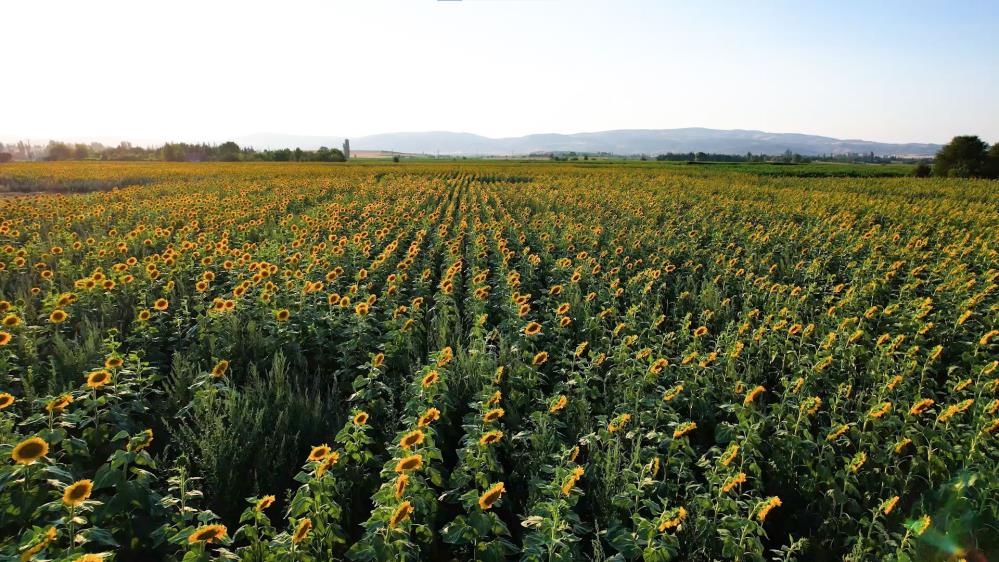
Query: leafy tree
[922, 170]
[6, 157]
[229, 152]
[963, 157]
[992, 162]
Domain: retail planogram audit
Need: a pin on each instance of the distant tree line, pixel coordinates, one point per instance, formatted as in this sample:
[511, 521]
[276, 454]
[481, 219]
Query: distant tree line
[170, 152]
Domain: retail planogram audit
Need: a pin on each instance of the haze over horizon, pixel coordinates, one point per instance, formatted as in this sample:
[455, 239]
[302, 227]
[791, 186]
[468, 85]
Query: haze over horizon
[209, 72]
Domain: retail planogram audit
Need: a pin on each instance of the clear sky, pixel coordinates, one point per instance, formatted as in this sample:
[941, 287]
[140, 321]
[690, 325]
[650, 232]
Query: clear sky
[902, 71]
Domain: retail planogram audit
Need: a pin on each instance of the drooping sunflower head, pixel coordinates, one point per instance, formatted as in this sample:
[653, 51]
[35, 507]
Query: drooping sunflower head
[98, 379]
[220, 368]
[30, 450]
[491, 496]
[263, 503]
[207, 534]
[328, 462]
[558, 404]
[431, 415]
[400, 514]
[490, 437]
[302, 530]
[77, 492]
[412, 462]
[57, 405]
[141, 441]
[493, 415]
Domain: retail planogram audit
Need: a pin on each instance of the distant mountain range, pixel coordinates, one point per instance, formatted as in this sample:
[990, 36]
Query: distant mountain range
[624, 142]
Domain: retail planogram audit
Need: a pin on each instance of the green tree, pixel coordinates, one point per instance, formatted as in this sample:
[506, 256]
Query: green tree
[992, 162]
[963, 157]
[229, 152]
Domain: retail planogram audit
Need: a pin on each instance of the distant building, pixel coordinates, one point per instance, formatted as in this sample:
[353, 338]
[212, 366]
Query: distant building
[346, 148]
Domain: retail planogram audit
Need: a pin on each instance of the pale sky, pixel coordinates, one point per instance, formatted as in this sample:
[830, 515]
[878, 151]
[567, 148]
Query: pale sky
[210, 70]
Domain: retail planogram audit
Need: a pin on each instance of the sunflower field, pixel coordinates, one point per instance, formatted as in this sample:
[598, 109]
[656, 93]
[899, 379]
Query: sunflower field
[495, 361]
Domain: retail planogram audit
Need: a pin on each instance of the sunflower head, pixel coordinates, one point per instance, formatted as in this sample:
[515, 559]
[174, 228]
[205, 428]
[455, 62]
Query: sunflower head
[161, 304]
[207, 534]
[264, 503]
[319, 452]
[491, 496]
[400, 514]
[302, 530]
[59, 404]
[30, 450]
[5, 338]
[360, 418]
[98, 379]
[282, 315]
[77, 492]
[412, 462]
[6, 399]
[220, 368]
[412, 439]
[58, 316]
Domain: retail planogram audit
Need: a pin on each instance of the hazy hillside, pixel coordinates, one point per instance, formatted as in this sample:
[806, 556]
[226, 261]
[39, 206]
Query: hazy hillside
[626, 141]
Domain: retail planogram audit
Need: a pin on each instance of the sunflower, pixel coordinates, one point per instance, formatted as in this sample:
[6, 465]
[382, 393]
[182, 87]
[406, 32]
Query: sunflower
[400, 485]
[412, 439]
[6, 399]
[5, 338]
[57, 405]
[558, 404]
[47, 538]
[141, 441]
[673, 519]
[58, 315]
[491, 496]
[490, 437]
[493, 415]
[889, 505]
[98, 379]
[733, 482]
[89, 558]
[319, 452]
[378, 360]
[113, 362]
[329, 461]
[207, 534]
[161, 304]
[360, 418]
[412, 462]
[361, 309]
[684, 429]
[282, 315]
[752, 394]
[302, 530]
[700, 331]
[540, 358]
[401, 514]
[430, 379]
[921, 406]
[431, 415]
[11, 320]
[29, 450]
[532, 329]
[263, 503]
[143, 315]
[571, 481]
[220, 368]
[77, 492]
[767, 506]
